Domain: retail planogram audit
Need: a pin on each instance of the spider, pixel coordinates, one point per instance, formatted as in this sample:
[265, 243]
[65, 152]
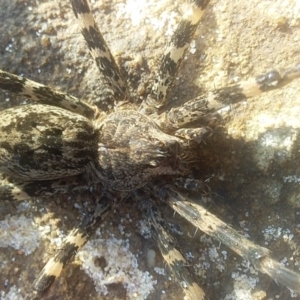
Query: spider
[150, 187]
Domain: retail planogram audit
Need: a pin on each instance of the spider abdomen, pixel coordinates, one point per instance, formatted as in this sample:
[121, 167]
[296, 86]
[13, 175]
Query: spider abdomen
[41, 142]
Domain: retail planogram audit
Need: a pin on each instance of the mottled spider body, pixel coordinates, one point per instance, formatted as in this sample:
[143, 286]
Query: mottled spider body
[36, 148]
[122, 167]
[124, 150]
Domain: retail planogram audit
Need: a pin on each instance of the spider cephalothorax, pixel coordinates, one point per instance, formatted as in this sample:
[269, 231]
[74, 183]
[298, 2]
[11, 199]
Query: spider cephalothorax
[61, 145]
[133, 150]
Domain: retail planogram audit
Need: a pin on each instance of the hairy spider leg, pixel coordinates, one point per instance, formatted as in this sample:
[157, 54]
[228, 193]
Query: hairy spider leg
[75, 240]
[173, 56]
[99, 50]
[214, 227]
[11, 191]
[43, 94]
[205, 107]
[168, 247]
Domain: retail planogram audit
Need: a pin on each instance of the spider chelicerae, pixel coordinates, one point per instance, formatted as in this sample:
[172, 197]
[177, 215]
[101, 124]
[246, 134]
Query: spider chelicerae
[178, 183]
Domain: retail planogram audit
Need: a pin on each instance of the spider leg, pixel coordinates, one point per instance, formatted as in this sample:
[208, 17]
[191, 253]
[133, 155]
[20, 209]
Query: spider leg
[214, 227]
[173, 56]
[168, 247]
[99, 49]
[75, 240]
[43, 94]
[194, 134]
[207, 106]
[10, 191]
